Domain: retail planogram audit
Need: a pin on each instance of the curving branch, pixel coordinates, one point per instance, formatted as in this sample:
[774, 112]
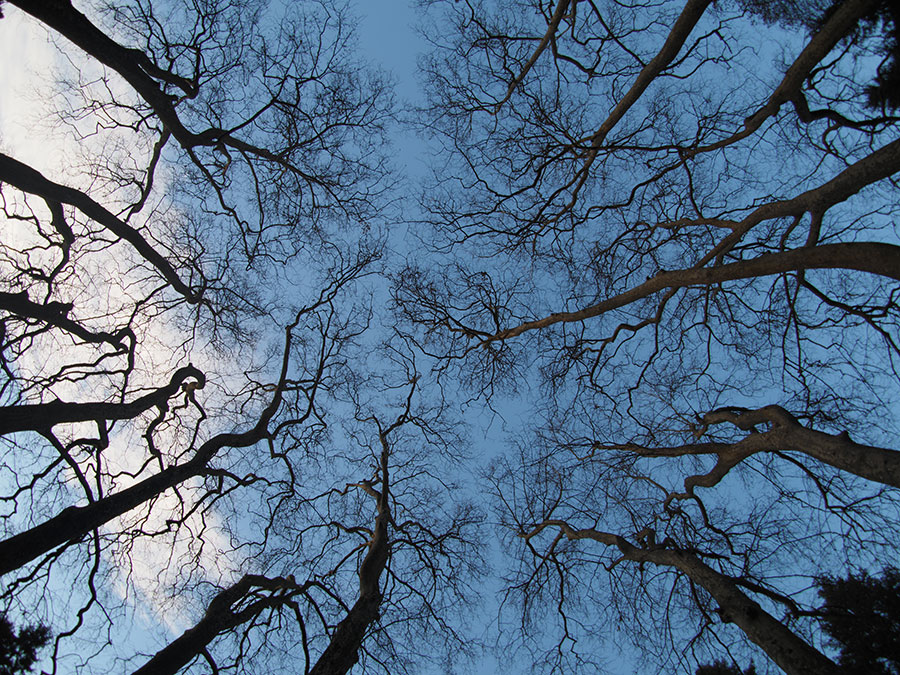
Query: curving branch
[132, 64]
[56, 314]
[44, 416]
[24, 178]
[688, 19]
[142, 74]
[231, 607]
[874, 258]
[785, 433]
[839, 24]
[75, 522]
[342, 652]
[558, 14]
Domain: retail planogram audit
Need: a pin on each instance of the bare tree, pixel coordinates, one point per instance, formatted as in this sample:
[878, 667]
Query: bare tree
[187, 409]
[691, 244]
[396, 574]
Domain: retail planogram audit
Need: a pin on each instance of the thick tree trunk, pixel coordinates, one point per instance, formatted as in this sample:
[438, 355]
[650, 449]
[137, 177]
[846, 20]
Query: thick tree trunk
[181, 651]
[75, 522]
[782, 645]
[219, 618]
[791, 653]
[342, 652]
[881, 465]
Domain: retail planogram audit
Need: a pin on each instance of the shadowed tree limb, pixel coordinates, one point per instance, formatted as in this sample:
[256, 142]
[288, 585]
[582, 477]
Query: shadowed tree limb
[782, 645]
[56, 314]
[42, 416]
[221, 616]
[74, 522]
[24, 178]
[342, 651]
[871, 257]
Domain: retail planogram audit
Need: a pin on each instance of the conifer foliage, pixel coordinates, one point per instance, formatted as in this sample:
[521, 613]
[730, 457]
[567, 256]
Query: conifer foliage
[861, 615]
[19, 649]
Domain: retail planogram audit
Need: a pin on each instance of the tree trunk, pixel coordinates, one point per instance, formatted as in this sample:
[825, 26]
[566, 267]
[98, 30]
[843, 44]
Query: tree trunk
[342, 652]
[219, 618]
[75, 522]
[791, 653]
[782, 645]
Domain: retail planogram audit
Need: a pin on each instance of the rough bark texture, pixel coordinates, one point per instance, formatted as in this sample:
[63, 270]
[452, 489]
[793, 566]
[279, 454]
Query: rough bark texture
[342, 652]
[787, 650]
[881, 465]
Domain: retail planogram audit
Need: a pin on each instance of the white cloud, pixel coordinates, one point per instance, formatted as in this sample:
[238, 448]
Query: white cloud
[28, 60]
[30, 67]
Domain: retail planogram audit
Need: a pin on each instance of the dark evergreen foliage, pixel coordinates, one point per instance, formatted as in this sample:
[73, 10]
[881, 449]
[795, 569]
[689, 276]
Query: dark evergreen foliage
[724, 668]
[886, 90]
[786, 12]
[882, 21]
[861, 614]
[18, 652]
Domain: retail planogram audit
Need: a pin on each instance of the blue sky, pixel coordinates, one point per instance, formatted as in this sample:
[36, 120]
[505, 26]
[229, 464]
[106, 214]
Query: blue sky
[388, 39]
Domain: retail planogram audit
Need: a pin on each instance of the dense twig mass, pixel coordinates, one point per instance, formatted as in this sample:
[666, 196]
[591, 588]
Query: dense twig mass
[666, 231]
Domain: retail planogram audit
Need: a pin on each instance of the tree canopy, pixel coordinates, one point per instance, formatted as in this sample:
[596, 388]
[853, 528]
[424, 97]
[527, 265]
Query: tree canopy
[861, 615]
[724, 668]
[19, 648]
[251, 384]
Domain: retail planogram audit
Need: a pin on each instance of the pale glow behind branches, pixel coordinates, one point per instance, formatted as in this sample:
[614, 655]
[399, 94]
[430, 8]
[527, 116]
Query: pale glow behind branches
[29, 63]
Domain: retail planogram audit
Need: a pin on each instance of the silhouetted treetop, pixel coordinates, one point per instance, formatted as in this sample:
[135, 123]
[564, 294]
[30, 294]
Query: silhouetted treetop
[861, 615]
[880, 24]
[19, 649]
[722, 667]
